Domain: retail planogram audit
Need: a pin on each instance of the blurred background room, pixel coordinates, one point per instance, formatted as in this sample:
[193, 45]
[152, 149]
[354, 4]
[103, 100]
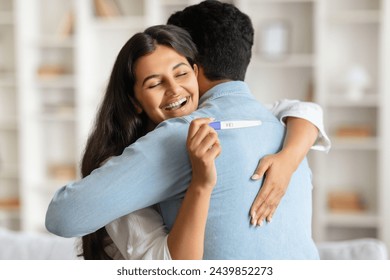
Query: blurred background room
[56, 55]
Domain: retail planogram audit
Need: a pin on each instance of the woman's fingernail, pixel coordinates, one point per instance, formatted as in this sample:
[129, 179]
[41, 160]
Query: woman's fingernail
[253, 222]
[255, 177]
[261, 223]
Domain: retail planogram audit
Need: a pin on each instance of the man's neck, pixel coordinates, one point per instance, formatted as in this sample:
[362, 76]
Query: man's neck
[205, 84]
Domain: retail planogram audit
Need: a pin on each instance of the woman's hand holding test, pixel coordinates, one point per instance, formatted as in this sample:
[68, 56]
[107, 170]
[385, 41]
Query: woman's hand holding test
[186, 239]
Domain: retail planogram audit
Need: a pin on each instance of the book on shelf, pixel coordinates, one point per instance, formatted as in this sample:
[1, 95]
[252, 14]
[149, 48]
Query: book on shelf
[9, 203]
[62, 171]
[345, 201]
[107, 8]
[50, 71]
[358, 131]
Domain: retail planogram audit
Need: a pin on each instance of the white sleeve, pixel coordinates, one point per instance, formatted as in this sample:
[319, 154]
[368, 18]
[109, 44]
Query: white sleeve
[140, 235]
[309, 111]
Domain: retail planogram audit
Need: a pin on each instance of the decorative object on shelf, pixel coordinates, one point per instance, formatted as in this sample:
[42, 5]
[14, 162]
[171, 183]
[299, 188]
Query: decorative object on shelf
[66, 27]
[50, 71]
[345, 201]
[358, 82]
[9, 203]
[274, 39]
[354, 131]
[62, 171]
[107, 8]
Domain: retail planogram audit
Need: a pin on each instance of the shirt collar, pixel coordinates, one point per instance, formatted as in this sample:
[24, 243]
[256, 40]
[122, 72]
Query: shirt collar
[223, 89]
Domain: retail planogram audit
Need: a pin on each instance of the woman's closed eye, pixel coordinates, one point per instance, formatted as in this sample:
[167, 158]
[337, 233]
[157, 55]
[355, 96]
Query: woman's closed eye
[181, 74]
[154, 84]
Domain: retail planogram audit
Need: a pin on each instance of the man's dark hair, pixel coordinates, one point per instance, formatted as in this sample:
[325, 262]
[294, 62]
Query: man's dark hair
[223, 35]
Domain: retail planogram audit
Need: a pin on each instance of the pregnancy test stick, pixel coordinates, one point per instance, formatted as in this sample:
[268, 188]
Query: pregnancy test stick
[219, 125]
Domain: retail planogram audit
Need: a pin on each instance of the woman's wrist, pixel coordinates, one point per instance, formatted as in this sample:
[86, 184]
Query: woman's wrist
[293, 156]
[200, 189]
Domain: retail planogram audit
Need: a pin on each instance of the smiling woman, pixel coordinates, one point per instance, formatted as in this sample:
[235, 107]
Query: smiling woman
[166, 84]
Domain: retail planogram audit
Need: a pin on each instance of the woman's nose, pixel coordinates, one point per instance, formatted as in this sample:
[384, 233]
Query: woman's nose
[173, 89]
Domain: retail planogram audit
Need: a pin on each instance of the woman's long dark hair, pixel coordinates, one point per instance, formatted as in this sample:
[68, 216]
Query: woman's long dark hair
[118, 123]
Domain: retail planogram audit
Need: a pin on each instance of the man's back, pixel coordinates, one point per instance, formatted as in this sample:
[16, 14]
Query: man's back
[229, 234]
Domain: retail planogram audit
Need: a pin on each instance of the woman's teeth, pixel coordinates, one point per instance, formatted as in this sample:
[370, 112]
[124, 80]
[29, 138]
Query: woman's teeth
[176, 105]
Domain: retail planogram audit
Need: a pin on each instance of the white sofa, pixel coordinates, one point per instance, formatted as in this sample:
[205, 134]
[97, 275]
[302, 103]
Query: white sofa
[34, 246]
[358, 249]
[15, 245]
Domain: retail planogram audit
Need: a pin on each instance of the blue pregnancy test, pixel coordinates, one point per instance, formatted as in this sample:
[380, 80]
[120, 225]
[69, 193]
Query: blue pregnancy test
[220, 125]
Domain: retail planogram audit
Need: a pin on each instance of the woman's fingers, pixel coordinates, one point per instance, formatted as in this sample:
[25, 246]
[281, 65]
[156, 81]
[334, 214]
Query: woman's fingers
[195, 125]
[200, 135]
[203, 147]
[207, 140]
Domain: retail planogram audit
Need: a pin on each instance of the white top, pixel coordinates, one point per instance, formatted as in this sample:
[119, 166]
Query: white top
[141, 235]
[309, 111]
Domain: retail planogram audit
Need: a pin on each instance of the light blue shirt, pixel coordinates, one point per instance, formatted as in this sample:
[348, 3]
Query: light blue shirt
[157, 168]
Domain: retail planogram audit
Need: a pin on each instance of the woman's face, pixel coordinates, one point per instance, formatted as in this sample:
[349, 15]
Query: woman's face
[166, 85]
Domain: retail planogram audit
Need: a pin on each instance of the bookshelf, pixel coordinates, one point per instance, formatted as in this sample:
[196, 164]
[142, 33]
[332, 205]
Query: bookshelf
[284, 47]
[9, 130]
[46, 103]
[352, 46]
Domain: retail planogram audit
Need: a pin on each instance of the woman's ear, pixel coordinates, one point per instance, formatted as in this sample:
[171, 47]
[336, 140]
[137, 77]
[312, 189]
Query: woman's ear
[196, 70]
[136, 105]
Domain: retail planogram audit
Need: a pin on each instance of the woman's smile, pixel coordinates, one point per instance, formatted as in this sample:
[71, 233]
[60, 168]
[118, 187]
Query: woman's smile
[174, 105]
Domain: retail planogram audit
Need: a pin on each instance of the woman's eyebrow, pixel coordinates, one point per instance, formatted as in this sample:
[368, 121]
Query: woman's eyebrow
[178, 65]
[150, 77]
[157, 75]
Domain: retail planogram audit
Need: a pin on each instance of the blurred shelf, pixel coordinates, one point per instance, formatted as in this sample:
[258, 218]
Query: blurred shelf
[167, 3]
[356, 219]
[291, 60]
[9, 215]
[56, 82]
[65, 116]
[356, 16]
[120, 23]
[9, 204]
[10, 209]
[55, 41]
[280, 1]
[355, 143]
[341, 100]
